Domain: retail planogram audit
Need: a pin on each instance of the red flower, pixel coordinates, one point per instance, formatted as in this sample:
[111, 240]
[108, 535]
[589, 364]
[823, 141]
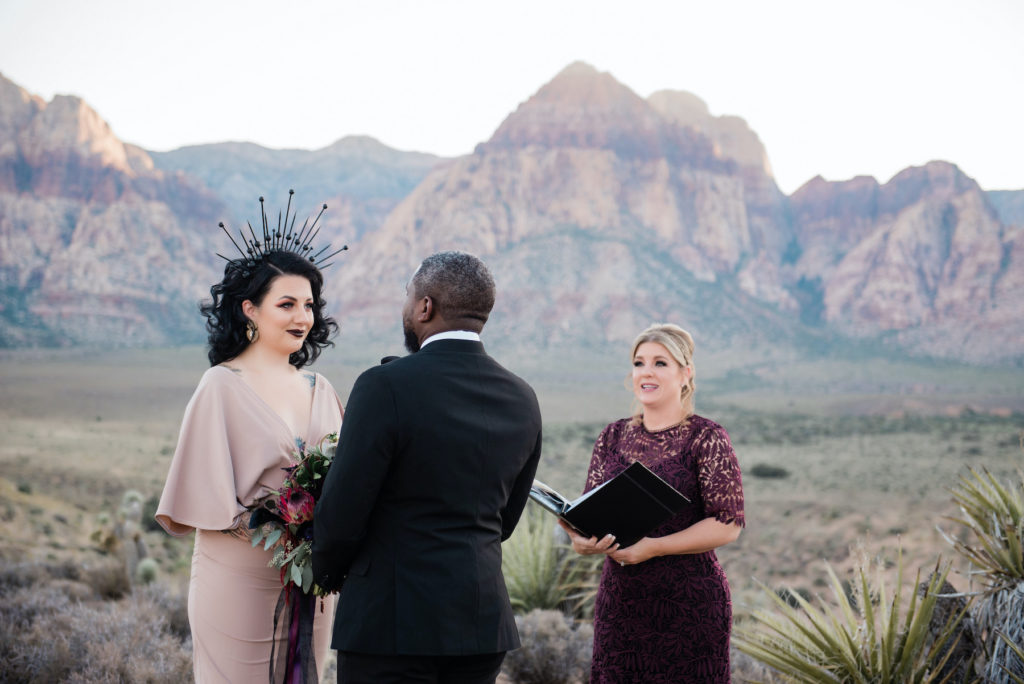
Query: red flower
[296, 506]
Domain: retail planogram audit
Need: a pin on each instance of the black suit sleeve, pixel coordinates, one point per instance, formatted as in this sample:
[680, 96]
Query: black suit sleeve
[520, 493]
[366, 446]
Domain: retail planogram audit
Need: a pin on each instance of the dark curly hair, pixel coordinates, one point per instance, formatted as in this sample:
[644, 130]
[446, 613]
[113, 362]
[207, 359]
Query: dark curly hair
[225, 321]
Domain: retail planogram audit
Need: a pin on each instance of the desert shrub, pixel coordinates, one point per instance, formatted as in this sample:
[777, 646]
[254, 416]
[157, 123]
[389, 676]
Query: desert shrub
[993, 514]
[877, 639]
[790, 596]
[542, 572]
[149, 523]
[556, 650]
[173, 605]
[45, 636]
[744, 668]
[107, 577]
[146, 571]
[763, 470]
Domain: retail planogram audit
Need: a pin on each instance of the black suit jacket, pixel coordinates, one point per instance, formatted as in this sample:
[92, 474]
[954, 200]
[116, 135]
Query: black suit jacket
[435, 460]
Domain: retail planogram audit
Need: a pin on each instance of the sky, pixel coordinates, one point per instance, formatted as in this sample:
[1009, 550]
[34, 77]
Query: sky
[837, 89]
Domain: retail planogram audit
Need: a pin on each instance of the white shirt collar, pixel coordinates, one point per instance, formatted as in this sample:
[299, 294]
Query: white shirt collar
[451, 335]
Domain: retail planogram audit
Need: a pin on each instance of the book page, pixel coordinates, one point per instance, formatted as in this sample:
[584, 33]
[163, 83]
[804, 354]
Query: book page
[548, 497]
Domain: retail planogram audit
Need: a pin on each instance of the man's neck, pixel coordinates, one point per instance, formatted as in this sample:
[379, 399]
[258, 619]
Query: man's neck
[451, 335]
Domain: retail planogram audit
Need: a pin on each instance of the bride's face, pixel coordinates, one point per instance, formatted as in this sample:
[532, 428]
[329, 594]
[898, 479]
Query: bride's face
[285, 316]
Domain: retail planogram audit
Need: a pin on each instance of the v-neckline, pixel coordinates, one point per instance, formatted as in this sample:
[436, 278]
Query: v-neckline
[312, 402]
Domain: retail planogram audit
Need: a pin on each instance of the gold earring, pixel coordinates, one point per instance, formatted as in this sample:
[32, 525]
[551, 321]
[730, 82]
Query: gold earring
[251, 331]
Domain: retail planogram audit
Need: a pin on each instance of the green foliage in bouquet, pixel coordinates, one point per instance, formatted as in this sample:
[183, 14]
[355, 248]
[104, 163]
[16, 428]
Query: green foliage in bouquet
[284, 520]
[869, 637]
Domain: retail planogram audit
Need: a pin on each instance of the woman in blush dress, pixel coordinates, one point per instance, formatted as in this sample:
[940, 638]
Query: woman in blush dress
[663, 612]
[253, 408]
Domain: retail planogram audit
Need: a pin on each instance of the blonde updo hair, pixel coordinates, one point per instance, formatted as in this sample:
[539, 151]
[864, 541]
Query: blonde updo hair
[679, 344]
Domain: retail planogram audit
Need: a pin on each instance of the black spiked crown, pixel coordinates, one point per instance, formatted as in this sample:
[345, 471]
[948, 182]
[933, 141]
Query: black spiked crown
[284, 239]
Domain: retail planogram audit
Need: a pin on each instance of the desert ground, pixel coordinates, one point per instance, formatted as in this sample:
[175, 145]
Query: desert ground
[837, 455]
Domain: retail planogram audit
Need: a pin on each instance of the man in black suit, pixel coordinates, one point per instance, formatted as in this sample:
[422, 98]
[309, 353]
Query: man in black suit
[435, 460]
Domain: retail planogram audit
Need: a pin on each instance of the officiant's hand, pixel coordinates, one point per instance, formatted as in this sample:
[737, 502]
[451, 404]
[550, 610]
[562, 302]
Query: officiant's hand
[588, 546]
[642, 550]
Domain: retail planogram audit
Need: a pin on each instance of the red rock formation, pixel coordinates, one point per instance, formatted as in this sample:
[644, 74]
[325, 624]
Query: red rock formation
[95, 245]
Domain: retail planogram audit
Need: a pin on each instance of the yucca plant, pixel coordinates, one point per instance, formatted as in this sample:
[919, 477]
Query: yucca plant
[871, 637]
[1018, 653]
[993, 514]
[540, 572]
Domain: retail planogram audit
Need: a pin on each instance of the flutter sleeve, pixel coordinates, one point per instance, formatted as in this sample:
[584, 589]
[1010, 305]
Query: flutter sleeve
[200, 490]
[719, 476]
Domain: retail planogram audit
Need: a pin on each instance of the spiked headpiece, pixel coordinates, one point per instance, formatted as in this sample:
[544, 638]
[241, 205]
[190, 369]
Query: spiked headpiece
[284, 239]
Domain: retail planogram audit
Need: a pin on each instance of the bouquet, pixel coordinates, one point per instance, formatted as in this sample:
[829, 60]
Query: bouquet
[284, 520]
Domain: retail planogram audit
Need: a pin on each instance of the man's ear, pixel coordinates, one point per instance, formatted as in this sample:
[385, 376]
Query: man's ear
[425, 309]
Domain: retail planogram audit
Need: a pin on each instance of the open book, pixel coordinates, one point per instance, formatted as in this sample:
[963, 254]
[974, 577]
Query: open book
[629, 505]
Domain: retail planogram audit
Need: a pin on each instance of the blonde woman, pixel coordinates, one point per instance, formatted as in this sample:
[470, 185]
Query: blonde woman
[663, 611]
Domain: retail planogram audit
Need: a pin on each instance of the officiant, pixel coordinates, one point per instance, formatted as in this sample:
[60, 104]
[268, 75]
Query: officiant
[663, 613]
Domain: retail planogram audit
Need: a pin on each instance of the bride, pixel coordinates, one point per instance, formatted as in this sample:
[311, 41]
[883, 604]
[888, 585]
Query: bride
[253, 408]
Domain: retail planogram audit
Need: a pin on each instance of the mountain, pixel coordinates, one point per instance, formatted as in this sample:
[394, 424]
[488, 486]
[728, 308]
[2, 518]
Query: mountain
[96, 245]
[601, 211]
[923, 260]
[598, 214]
[360, 179]
[598, 210]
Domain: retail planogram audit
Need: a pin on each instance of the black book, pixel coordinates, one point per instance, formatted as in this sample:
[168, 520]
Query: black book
[629, 505]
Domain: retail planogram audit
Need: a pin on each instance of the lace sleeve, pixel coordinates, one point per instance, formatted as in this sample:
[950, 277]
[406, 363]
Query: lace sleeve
[596, 472]
[719, 475]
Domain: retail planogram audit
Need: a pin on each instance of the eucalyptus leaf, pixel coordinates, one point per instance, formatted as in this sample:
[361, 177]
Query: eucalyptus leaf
[307, 578]
[272, 539]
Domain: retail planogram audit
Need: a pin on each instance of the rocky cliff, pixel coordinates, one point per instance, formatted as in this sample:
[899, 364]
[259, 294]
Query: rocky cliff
[96, 246]
[922, 260]
[599, 211]
[599, 215]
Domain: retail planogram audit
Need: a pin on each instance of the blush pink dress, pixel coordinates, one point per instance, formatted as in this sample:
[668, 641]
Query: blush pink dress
[231, 452]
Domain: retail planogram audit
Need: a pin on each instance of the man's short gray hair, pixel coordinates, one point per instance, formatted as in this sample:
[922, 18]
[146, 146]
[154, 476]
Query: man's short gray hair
[459, 283]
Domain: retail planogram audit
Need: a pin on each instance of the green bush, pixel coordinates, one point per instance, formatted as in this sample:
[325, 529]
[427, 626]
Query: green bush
[543, 573]
[992, 514]
[763, 470]
[146, 571]
[873, 639]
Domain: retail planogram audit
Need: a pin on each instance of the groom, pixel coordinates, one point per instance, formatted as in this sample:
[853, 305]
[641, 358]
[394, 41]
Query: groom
[434, 464]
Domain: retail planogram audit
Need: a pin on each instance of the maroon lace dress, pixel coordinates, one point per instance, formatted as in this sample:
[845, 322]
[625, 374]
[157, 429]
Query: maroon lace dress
[668, 619]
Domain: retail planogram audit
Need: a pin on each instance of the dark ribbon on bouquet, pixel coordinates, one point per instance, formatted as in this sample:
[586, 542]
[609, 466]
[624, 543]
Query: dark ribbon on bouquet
[294, 612]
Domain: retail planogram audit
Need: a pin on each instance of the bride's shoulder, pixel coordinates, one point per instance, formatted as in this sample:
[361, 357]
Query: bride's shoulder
[215, 376]
[319, 381]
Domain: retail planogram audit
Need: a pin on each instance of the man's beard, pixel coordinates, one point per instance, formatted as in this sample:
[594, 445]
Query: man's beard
[412, 342]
